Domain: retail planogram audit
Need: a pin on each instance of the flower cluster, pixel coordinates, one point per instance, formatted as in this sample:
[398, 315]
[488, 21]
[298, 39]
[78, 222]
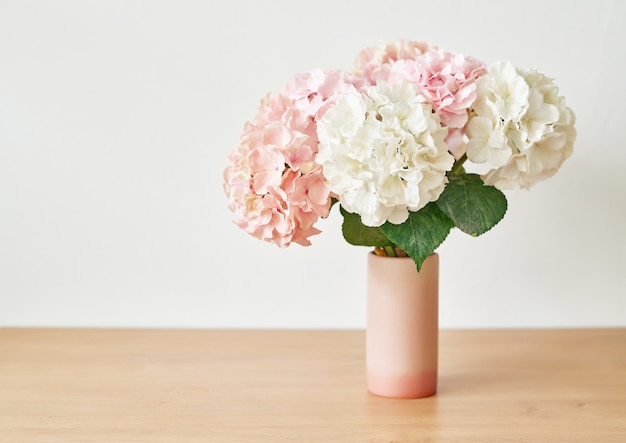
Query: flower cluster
[389, 142]
[274, 183]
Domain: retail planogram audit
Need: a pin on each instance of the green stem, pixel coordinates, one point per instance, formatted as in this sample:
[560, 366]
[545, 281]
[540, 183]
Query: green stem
[391, 252]
[458, 165]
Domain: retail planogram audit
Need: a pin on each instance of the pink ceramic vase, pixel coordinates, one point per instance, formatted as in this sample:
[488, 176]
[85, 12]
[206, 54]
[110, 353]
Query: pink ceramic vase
[402, 331]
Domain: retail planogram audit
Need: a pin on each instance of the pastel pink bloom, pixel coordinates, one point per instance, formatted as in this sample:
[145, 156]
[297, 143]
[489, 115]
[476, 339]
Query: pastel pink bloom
[259, 187]
[446, 80]
[275, 188]
[373, 63]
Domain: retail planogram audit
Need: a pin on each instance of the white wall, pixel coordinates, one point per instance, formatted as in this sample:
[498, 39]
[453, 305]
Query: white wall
[116, 118]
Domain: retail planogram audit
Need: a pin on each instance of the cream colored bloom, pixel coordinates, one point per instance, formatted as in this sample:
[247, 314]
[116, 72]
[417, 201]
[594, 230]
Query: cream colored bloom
[383, 152]
[520, 126]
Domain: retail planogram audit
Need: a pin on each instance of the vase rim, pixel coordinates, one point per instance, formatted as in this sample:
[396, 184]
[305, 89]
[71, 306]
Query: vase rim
[407, 257]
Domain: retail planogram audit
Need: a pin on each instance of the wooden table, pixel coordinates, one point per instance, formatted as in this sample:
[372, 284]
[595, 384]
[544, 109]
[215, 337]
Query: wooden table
[90, 385]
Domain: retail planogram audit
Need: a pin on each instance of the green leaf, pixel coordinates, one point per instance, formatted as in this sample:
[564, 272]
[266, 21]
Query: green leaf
[356, 233]
[421, 233]
[473, 206]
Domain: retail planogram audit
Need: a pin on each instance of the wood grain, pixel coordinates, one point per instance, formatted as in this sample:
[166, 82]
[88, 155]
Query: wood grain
[90, 385]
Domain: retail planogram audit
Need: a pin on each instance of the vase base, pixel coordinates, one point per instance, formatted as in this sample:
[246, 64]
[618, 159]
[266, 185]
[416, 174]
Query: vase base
[403, 386]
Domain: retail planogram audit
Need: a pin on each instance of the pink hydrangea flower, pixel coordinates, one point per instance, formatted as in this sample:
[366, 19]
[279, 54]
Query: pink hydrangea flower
[275, 188]
[447, 82]
[445, 79]
[373, 63]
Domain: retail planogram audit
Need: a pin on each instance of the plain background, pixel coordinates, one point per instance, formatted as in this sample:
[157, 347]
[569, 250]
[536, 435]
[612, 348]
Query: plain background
[116, 118]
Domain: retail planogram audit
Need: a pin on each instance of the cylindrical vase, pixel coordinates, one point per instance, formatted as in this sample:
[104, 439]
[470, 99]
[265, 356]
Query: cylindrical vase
[402, 332]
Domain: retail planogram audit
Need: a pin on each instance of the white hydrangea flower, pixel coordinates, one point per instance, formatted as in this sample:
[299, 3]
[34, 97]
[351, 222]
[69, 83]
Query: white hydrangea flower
[383, 152]
[520, 125]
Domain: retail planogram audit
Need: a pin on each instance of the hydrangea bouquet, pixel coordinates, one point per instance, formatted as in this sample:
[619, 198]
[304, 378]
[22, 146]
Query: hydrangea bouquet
[390, 142]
